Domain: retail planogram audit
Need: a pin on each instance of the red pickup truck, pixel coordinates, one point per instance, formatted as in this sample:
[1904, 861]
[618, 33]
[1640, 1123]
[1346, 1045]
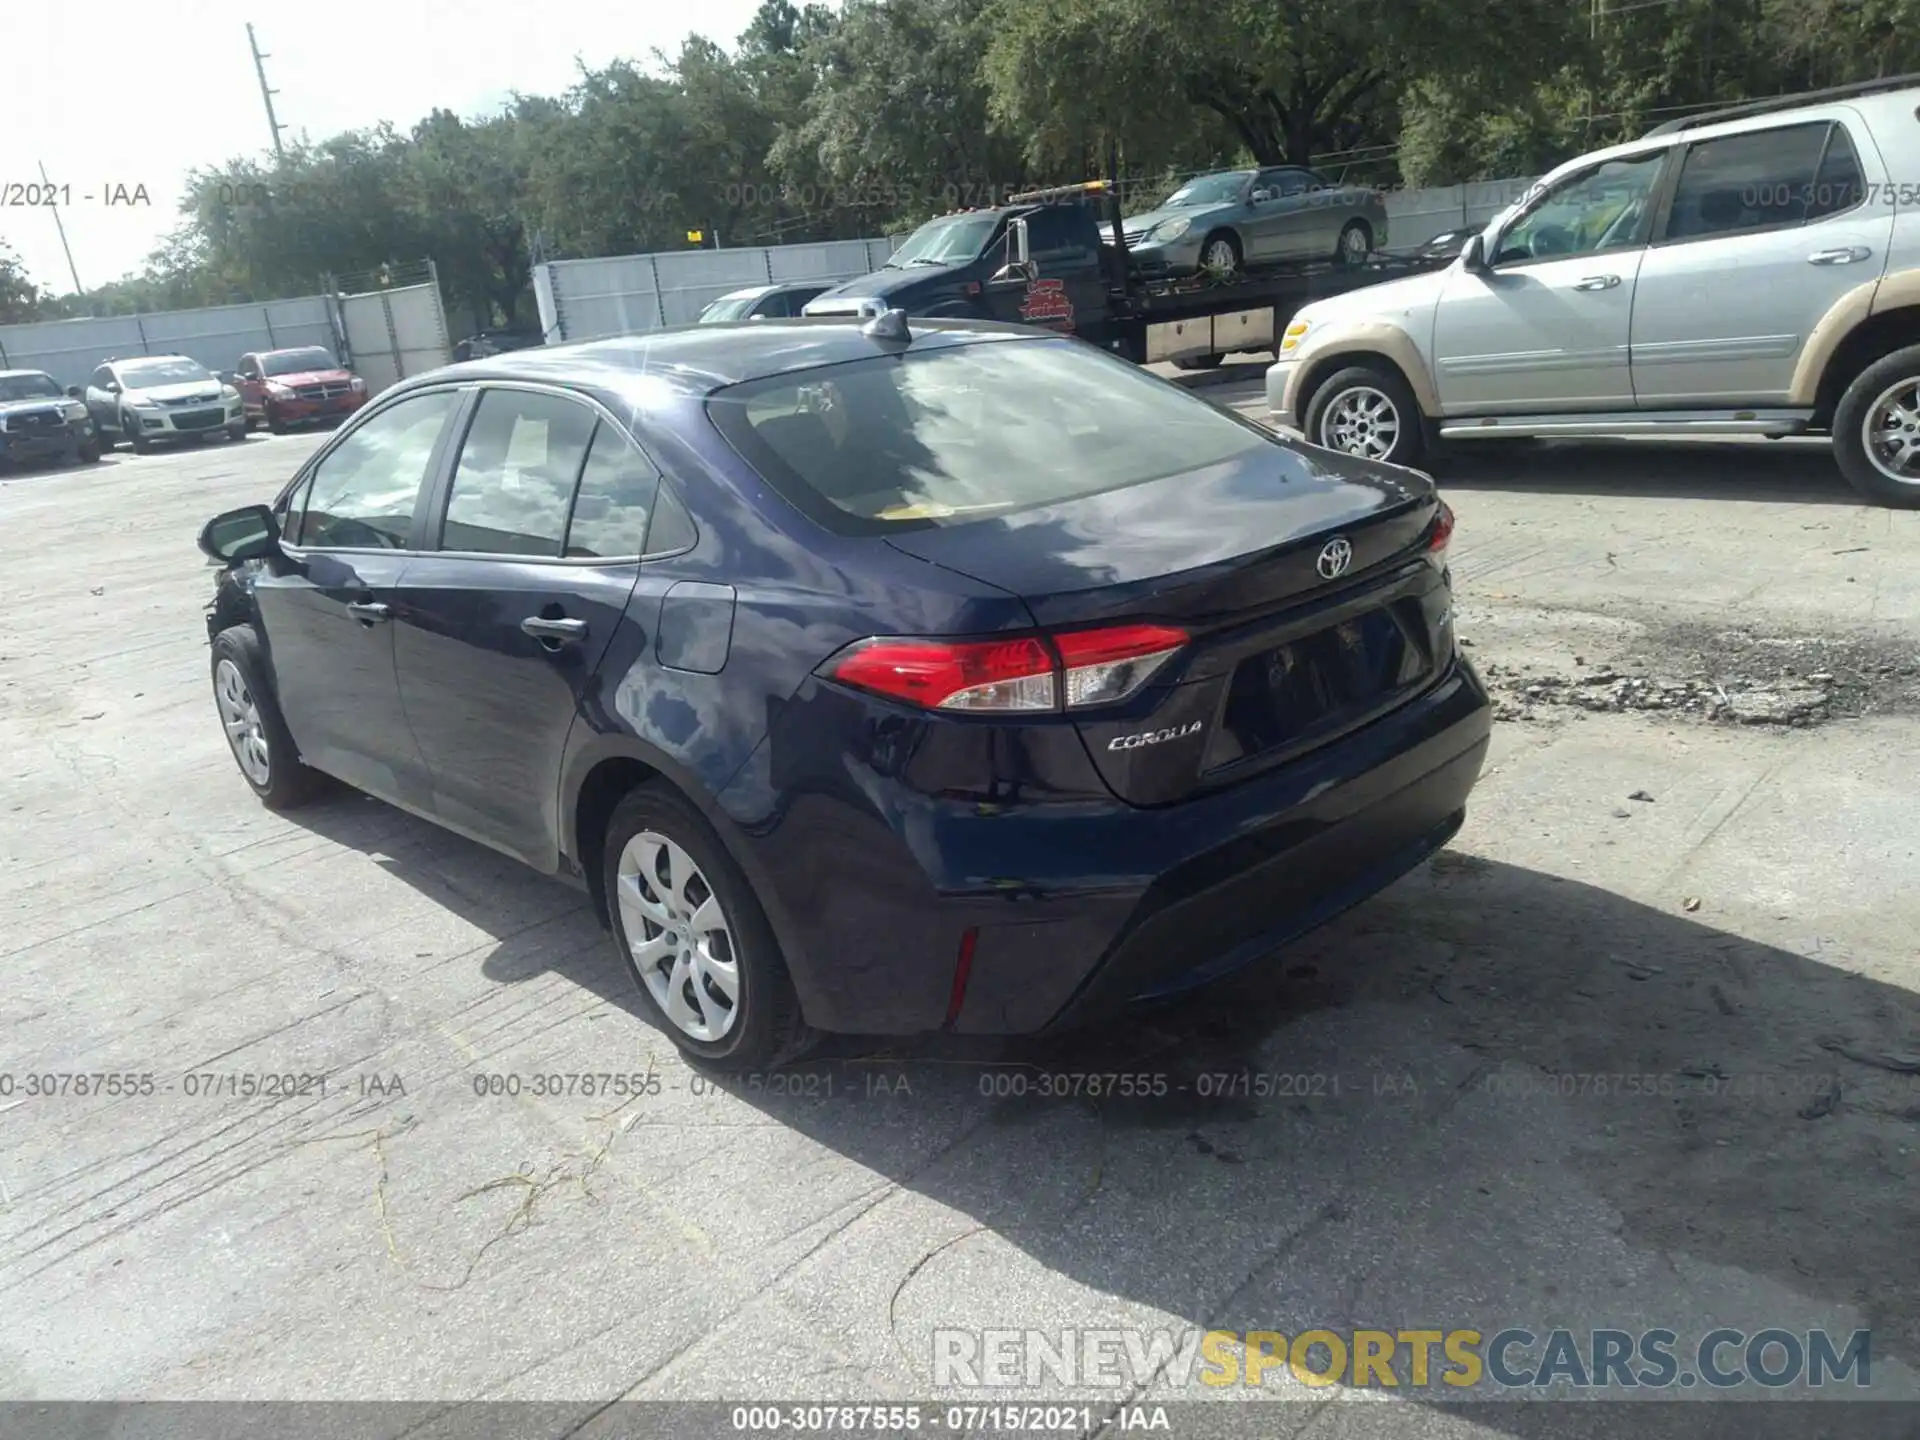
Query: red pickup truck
[284, 388]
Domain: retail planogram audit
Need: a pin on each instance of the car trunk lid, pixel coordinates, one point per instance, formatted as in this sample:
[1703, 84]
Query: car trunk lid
[1300, 578]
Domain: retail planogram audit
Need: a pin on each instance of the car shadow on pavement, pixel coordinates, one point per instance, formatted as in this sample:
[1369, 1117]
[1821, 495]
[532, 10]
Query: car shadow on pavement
[1486, 1082]
[1774, 472]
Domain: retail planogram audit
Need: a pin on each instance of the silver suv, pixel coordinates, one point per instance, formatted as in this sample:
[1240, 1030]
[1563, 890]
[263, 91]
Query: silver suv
[1755, 271]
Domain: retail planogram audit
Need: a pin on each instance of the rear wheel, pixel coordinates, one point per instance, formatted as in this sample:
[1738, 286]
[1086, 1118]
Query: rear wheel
[1356, 243]
[1876, 431]
[237, 430]
[1220, 255]
[695, 937]
[257, 733]
[1368, 410]
[88, 450]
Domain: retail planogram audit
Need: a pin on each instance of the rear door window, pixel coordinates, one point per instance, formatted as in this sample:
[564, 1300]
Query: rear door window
[362, 493]
[615, 498]
[1760, 180]
[514, 482]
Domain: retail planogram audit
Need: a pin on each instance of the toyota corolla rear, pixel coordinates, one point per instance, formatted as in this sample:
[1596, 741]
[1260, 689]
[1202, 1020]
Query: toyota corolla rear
[1219, 700]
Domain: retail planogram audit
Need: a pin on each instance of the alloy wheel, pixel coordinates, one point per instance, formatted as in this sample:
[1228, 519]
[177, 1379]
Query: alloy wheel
[1891, 432]
[678, 937]
[1217, 259]
[1353, 245]
[1361, 421]
[240, 717]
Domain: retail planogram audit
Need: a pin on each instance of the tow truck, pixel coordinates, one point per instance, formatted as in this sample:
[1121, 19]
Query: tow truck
[1041, 259]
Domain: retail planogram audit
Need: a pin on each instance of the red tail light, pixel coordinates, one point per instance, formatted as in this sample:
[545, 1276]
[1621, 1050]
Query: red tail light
[1029, 673]
[1442, 532]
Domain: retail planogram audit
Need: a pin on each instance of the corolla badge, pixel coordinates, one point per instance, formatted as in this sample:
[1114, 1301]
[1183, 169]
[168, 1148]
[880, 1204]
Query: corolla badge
[1335, 556]
[1154, 737]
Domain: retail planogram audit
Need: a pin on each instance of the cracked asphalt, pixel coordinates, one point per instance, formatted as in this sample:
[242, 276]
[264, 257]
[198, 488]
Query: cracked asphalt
[1395, 1123]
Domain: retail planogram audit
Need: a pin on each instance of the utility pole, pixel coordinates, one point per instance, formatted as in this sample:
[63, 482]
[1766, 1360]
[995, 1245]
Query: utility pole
[266, 94]
[57, 225]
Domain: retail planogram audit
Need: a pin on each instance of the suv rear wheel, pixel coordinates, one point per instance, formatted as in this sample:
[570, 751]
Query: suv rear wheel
[1876, 430]
[695, 937]
[1367, 410]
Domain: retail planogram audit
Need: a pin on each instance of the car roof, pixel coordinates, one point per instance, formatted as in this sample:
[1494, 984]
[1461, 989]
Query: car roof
[700, 359]
[752, 292]
[11, 374]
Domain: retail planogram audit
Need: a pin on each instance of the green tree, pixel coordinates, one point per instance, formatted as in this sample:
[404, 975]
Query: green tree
[20, 299]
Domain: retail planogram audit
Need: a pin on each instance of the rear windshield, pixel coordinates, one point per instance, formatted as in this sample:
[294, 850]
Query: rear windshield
[955, 434]
[727, 307]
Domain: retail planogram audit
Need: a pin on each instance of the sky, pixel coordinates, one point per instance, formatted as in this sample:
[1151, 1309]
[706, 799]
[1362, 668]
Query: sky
[181, 93]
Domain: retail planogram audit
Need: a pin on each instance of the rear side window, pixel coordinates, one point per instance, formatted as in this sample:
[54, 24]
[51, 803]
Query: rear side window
[616, 496]
[944, 436]
[362, 494]
[1840, 184]
[1756, 181]
[515, 478]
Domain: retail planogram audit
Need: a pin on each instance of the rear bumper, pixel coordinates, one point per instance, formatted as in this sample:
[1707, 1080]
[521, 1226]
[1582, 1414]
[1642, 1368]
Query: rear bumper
[1073, 906]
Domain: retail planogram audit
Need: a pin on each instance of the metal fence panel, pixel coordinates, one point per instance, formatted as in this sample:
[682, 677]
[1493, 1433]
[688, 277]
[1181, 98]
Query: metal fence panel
[1416, 216]
[216, 336]
[392, 334]
[632, 294]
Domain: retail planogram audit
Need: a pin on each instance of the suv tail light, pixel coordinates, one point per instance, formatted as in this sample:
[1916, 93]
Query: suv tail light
[1440, 535]
[1075, 670]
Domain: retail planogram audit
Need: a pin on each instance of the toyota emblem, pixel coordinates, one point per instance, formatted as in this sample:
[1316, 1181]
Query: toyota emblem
[1335, 556]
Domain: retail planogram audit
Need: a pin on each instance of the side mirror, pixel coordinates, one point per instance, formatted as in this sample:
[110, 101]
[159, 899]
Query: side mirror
[1019, 264]
[113, 387]
[1474, 255]
[243, 534]
[74, 392]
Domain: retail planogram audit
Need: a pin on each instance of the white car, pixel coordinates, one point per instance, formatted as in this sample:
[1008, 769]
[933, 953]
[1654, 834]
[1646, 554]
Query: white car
[161, 397]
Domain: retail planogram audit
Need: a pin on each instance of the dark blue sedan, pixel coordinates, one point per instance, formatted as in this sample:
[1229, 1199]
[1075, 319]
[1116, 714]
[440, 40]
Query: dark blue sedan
[870, 681]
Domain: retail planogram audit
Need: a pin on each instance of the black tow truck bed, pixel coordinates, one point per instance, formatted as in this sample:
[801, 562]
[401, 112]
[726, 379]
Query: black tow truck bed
[1198, 318]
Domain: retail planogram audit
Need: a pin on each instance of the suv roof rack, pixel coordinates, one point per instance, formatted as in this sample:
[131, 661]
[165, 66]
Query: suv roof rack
[1786, 102]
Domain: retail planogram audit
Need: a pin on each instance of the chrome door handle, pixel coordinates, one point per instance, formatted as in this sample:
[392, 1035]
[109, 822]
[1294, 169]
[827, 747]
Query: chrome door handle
[369, 612]
[1598, 282]
[544, 629]
[1844, 255]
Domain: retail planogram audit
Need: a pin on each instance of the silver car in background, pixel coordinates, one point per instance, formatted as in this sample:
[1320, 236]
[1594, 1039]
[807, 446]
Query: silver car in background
[1232, 220]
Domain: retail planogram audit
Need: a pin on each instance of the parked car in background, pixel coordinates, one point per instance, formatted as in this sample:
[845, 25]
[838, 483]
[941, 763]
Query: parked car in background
[284, 388]
[1741, 272]
[39, 421]
[1235, 220]
[763, 302]
[870, 679]
[161, 397]
[496, 342]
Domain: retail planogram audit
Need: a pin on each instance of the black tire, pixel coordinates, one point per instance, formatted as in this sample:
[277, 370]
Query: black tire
[87, 452]
[136, 434]
[1198, 362]
[767, 1029]
[1852, 419]
[237, 430]
[1352, 259]
[1232, 241]
[289, 781]
[276, 424]
[1409, 443]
